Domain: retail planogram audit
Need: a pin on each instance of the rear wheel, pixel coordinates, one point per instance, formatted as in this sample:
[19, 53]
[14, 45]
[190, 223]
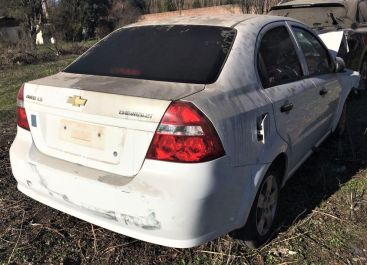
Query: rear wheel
[260, 223]
[342, 124]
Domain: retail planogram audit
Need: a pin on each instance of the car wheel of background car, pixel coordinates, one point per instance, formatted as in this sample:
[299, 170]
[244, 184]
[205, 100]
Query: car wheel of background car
[342, 124]
[260, 223]
[363, 73]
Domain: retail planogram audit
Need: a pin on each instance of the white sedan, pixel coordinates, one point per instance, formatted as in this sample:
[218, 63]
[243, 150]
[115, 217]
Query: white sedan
[178, 131]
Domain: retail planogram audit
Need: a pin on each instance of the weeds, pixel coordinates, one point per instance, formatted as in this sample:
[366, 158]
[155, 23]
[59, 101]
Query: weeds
[18, 54]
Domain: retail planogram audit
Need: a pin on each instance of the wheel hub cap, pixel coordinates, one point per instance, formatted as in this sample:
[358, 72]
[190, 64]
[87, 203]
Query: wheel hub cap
[266, 205]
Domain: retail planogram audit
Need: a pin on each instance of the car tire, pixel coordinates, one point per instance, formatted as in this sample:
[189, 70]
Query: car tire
[260, 223]
[342, 123]
[363, 72]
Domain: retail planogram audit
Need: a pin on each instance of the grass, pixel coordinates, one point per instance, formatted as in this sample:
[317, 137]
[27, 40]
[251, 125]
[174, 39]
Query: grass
[13, 77]
[322, 220]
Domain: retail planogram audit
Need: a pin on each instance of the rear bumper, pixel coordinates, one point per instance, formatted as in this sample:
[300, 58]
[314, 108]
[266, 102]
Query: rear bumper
[170, 204]
[109, 221]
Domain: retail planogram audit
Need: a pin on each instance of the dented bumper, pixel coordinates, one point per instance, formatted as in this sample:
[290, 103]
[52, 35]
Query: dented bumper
[170, 204]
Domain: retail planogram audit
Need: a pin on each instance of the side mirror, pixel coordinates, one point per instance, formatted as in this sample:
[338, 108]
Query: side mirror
[339, 65]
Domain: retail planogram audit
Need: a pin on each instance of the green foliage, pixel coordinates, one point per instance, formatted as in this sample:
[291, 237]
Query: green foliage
[29, 12]
[66, 18]
[92, 11]
[168, 6]
[78, 19]
[21, 9]
[123, 12]
[196, 4]
[141, 5]
[12, 77]
[75, 20]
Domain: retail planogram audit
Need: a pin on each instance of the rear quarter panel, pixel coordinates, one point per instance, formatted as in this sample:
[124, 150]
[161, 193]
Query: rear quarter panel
[233, 104]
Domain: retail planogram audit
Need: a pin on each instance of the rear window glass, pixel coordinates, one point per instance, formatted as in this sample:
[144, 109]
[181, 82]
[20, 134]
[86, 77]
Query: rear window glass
[181, 53]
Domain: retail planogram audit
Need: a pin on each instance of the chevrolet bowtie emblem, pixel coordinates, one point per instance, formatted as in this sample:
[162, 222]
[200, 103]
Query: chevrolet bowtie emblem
[77, 101]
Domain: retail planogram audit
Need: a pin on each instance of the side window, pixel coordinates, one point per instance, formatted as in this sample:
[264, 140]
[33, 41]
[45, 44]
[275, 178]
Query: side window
[277, 59]
[362, 12]
[317, 57]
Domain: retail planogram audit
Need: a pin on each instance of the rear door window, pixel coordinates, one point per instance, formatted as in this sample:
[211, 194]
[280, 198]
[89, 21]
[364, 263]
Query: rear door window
[179, 53]
[278, 62]
[316, 55]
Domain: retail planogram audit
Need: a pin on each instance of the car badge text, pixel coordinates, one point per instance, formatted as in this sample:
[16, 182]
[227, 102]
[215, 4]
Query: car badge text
[136, 114]
[39, 99]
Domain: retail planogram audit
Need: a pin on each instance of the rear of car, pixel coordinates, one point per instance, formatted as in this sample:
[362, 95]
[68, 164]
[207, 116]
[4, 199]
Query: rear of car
[110, 141]
[168, 133]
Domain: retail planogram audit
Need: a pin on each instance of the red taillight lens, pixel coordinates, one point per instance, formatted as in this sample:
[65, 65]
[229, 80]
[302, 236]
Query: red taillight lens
[185, 135]
[21, 114]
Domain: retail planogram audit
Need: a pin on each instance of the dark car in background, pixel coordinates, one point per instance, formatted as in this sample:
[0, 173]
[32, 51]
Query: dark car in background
[349, 16]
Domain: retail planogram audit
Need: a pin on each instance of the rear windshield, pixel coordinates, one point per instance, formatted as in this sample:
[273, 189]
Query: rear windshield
[181, 53]
[316, 16]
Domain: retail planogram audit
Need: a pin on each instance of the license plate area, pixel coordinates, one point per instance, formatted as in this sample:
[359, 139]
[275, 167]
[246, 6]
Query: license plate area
[82, 134]
[83, 140]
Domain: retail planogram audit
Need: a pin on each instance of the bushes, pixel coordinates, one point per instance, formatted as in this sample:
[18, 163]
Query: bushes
[76, 20]
[11, 54]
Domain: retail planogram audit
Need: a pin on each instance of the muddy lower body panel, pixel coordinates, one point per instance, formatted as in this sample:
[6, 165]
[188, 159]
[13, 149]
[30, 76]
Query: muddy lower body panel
[171, 204]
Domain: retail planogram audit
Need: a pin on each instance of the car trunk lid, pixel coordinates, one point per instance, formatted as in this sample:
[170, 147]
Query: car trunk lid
[105, 123]
[121, 86]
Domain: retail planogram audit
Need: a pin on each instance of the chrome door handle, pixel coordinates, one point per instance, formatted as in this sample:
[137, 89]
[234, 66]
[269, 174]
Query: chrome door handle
[323, 91]
[286, 107]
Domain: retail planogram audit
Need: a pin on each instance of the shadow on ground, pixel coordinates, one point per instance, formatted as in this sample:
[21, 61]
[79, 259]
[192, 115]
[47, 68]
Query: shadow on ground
[333, 164]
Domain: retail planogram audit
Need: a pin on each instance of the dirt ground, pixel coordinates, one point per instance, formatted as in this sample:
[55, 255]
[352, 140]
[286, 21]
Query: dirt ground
[322, 220]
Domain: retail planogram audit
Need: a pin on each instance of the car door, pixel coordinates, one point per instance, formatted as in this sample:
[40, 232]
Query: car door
[321, 73]
[282, 74]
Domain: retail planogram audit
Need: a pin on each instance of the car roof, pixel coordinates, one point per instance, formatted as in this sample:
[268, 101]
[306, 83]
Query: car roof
[227, 20]
[351, 6]
[309, 2]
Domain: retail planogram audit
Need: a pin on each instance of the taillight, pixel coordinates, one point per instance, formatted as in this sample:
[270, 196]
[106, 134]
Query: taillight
[21, 114]
[185, 135]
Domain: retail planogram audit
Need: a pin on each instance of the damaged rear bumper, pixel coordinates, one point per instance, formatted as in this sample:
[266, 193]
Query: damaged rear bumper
[170, 204]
